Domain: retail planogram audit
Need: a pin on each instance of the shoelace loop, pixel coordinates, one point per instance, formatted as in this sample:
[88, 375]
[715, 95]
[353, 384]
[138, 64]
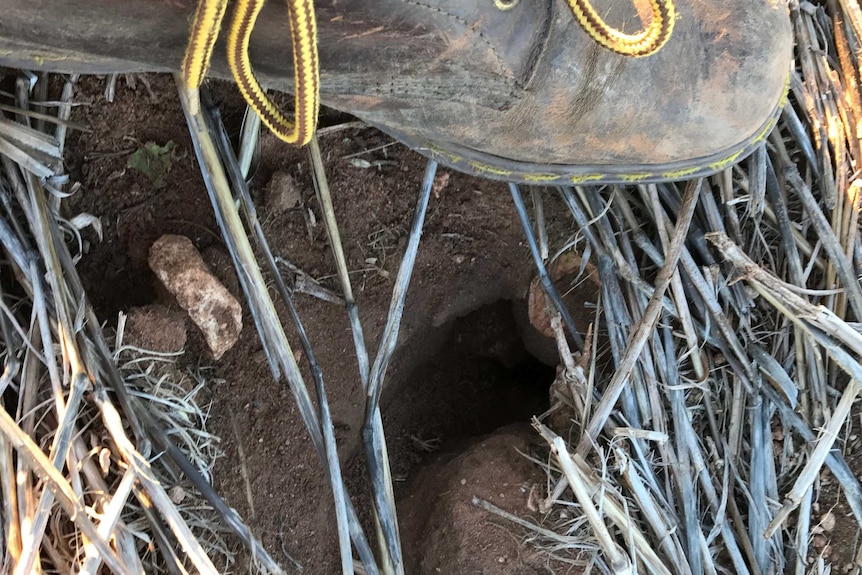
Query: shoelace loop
[644, 43]
[303, 35]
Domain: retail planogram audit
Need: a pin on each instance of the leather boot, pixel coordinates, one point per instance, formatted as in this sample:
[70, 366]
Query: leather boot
[521, 93]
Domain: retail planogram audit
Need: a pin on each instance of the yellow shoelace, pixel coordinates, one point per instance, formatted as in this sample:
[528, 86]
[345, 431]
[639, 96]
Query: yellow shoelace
[303, 34]
[644, 43]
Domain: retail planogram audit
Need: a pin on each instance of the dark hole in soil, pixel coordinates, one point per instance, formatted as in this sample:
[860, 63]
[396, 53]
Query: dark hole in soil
[482, 378]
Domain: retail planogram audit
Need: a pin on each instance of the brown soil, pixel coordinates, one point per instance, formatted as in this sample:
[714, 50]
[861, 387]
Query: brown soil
[457, 535]
[451, 380]
[157, 328]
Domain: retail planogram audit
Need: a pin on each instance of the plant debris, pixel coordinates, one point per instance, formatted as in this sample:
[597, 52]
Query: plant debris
[153, 161]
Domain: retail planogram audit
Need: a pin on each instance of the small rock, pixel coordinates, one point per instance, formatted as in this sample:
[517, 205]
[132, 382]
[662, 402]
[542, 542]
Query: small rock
[536, 303]
[440, 183]
[155, 328]
[281, 193]
[827, 521]
[176, 494]
[179, 266]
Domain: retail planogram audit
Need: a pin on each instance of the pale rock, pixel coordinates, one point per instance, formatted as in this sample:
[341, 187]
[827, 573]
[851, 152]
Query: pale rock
[179, 266]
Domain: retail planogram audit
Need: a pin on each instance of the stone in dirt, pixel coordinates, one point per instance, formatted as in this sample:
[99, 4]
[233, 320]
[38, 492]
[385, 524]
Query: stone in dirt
[155, 328]
[564, 267]
[179, 266]
[281, 193]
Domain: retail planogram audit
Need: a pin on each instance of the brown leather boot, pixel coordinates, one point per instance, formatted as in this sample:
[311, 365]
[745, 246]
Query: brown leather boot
[510, 89]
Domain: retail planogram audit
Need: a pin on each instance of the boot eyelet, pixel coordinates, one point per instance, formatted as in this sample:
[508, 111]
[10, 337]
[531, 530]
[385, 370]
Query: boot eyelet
[504, 5]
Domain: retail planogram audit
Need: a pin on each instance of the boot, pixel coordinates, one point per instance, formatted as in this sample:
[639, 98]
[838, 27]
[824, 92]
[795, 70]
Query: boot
[508, 89]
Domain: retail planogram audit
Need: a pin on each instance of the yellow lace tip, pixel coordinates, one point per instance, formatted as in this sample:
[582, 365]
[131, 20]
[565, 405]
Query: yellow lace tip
[194, 98]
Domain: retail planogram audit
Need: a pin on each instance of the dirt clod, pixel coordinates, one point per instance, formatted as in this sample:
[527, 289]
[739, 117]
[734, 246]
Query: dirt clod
[155, 328]
[281, 193]
[452, 534]
[563, 271]
[538, 314]
[179, 266]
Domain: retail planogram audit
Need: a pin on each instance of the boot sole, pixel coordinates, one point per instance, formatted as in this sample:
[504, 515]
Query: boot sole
[476, 163]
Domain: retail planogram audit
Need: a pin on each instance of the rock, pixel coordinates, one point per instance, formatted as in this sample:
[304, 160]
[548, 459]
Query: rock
[177, 494]
[155, 328]
[565, 267]
[444, 532]
[281, 193]
[536, 302]
[179, 266]
[219, 263]
[827, 521]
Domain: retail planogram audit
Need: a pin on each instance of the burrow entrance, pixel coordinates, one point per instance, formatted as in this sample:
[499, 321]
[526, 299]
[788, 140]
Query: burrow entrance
[481, 377]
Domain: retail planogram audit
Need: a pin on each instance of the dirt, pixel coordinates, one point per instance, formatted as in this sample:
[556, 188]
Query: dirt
[457, 535]
[466, 362]
[157, 328]
[469, 364]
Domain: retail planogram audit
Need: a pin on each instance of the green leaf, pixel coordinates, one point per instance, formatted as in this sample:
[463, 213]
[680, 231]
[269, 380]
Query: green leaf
[154, 161]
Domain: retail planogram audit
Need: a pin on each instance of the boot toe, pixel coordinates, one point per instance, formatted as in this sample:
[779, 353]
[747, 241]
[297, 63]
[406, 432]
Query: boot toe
[703, 101]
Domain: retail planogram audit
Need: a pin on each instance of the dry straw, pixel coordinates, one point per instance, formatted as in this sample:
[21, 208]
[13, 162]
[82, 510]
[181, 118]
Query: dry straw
[105, 460]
